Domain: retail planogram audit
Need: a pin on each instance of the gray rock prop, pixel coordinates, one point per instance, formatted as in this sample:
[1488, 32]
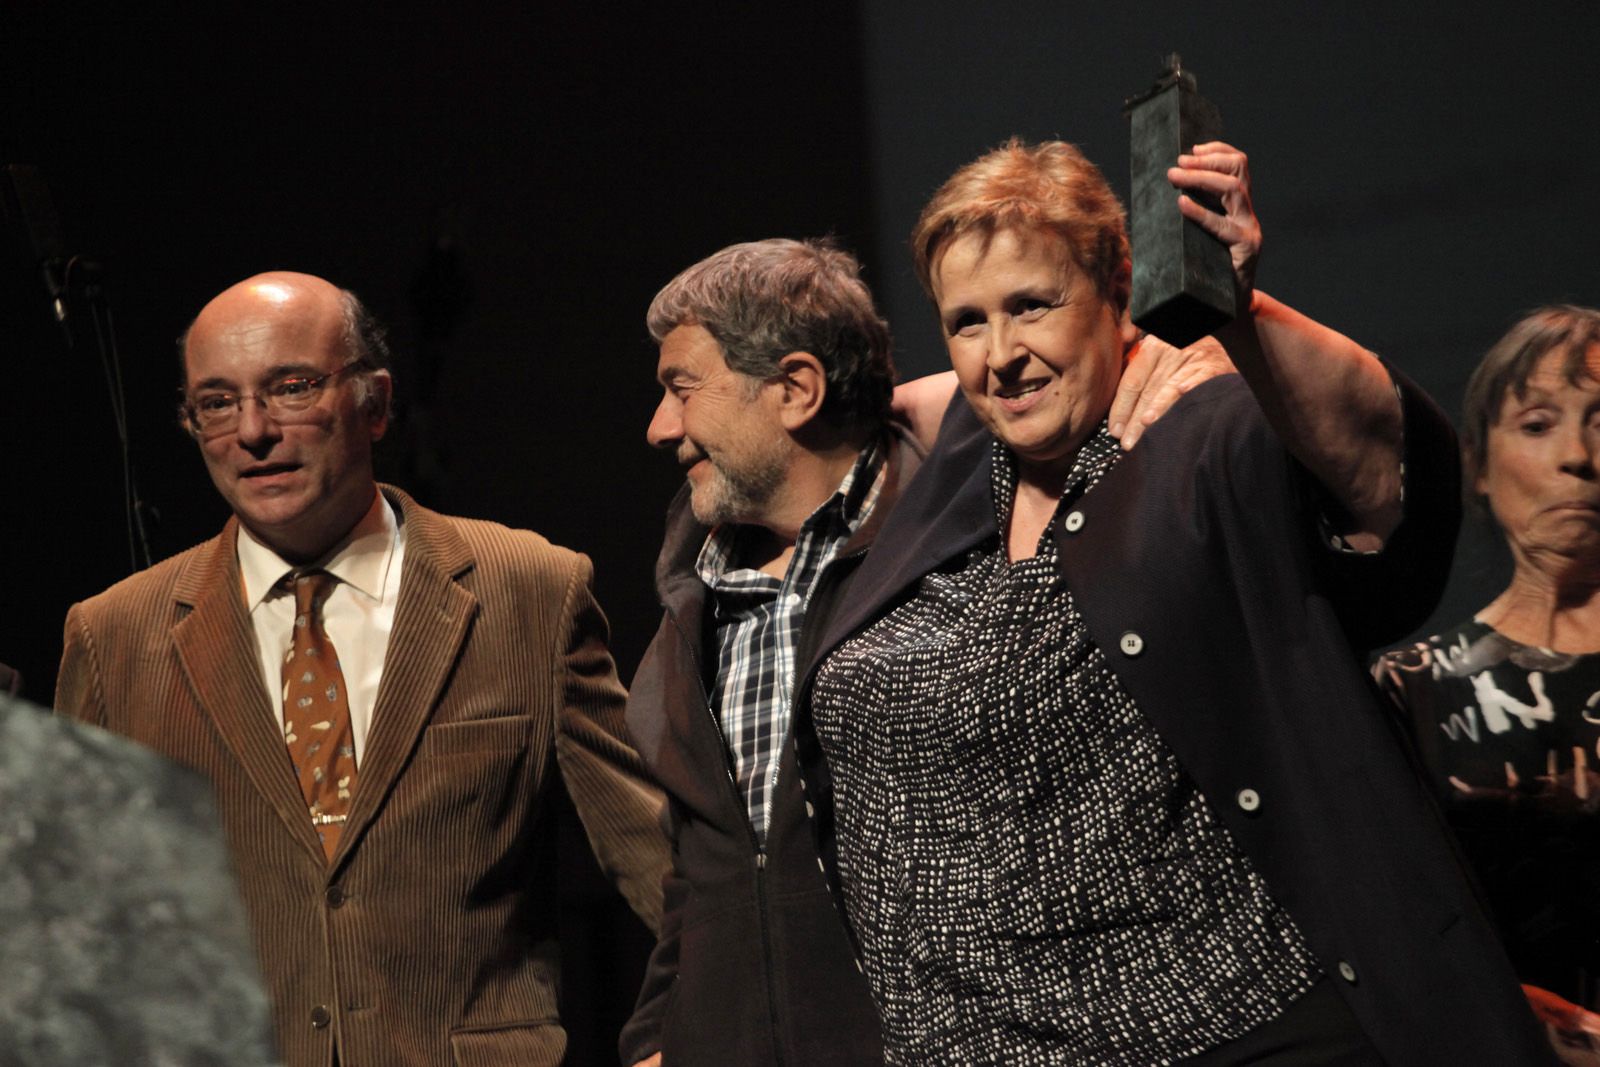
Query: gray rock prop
[123, 940]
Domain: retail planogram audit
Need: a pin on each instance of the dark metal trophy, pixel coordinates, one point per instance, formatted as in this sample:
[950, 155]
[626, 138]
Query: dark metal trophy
[1183, 284]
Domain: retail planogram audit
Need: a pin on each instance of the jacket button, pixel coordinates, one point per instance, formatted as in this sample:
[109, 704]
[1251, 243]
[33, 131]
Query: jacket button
[1249, 801]
[1073, 522]
[1347, 972]
[334, 896]
[320, 1017]
[811, 813]
[1131, 644]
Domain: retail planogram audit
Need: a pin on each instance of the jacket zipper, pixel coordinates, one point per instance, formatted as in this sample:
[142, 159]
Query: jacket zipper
[802, 690]
[755, 846]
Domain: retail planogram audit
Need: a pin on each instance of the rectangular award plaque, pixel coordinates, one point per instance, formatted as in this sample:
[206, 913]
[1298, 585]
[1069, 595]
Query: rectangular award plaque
[1183, 285]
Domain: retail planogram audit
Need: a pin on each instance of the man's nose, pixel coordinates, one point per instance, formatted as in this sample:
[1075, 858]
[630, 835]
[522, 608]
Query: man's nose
[256, 427]
[666, 425]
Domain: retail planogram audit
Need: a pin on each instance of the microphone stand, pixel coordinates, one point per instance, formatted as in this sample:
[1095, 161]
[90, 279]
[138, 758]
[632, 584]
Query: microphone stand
[77, 291]
[83, 290]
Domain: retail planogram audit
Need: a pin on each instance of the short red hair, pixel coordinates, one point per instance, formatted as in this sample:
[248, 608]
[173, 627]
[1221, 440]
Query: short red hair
[1050, 187]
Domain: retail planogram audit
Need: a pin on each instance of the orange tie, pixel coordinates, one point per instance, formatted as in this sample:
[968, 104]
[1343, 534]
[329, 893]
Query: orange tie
[316, 713]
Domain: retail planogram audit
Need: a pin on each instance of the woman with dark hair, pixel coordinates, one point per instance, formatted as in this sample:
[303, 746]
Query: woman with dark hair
[1506, 706]
[1106, 779]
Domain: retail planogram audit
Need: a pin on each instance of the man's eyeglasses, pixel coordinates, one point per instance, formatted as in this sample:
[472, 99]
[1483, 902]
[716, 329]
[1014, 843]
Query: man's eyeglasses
[212, 412]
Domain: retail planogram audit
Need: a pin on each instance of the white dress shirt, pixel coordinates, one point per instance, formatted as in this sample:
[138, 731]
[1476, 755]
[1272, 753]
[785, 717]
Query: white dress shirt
[358, 615]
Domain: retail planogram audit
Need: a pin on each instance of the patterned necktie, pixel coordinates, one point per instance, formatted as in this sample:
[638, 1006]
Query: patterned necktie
[316, 713]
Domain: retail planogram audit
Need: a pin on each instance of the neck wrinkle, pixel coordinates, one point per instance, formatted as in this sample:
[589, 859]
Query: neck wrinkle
[1542, 610]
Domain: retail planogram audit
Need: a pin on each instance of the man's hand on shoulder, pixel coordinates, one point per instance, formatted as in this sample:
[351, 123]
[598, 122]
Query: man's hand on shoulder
[1155, 377]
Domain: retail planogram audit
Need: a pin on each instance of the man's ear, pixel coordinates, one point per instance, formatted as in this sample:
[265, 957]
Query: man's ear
[804, 386]
[380, 390]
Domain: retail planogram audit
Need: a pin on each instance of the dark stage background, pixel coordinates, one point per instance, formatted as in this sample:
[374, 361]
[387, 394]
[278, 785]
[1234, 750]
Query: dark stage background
[507, 185]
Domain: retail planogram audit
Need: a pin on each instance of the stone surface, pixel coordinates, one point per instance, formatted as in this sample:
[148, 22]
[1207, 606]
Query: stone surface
[124, 940]
[1182, 276]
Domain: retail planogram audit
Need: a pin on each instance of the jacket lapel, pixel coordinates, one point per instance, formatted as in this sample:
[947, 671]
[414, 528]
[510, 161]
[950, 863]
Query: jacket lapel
[217, 647]
[431, 622]
[678, 584]
[943, 512]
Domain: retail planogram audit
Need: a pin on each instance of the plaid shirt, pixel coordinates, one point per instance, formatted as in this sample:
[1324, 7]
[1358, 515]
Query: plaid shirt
[758, 620]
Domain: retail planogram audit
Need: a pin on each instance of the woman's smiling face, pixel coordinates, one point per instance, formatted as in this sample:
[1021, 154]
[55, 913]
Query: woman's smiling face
[1036, 347]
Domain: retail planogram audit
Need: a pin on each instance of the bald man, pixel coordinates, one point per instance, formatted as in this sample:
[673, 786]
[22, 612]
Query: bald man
[381, 695]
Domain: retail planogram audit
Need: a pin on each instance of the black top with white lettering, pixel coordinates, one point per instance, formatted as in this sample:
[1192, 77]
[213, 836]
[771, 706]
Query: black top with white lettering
[1510, 735]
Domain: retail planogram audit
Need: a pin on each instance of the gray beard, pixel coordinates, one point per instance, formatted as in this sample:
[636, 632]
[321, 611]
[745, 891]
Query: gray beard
[732, 496]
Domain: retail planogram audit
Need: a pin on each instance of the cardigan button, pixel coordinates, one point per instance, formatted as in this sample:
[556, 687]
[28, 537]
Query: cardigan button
[811, 813]
[1073, 522]
[1131, 644]
[1249, 801]
[335, 896]
[1347, 972]
[320, 1017]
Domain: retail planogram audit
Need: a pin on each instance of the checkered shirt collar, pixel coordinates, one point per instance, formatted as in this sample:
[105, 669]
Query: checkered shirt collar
[837, 518]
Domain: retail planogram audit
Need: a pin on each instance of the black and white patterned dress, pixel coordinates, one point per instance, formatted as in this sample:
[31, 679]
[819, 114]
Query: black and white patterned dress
[1031, 876]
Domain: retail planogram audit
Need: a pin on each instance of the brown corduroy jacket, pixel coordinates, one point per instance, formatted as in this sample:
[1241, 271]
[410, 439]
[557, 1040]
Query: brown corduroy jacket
[430, 938]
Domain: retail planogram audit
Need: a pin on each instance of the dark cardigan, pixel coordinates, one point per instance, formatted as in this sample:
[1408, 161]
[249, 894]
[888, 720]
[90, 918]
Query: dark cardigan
[753, 965]
[1204, 542]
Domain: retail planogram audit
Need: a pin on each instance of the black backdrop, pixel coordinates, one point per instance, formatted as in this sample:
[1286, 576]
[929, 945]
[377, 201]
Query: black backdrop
[507, 185]
[550, 166]
[1425, 172]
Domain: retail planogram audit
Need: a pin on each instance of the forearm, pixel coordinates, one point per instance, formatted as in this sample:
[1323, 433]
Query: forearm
[1332, 404]
[920, 405]
[1329, 400]
[619, 806]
